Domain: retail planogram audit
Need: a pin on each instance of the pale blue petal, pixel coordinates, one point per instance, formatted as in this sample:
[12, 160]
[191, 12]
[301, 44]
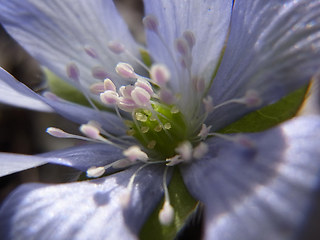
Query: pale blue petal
[273, 48]
[11, 163]
[263, 192]
[85, 156]
[82, 210]
[56, 32]
[80, 114]
[18, 94]
[74, 112]
[207, 19]
[80, 157]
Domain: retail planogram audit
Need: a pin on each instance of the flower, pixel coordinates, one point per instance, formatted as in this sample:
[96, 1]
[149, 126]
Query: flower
[212, 62]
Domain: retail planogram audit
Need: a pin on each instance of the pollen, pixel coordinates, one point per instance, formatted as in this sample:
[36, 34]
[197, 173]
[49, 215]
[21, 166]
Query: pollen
[159, 129]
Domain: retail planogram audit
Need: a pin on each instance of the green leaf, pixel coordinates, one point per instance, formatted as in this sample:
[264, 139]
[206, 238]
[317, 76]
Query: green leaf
[64, 90]
[68, 92]
[270, 115]
[183, 204]
[146, 59]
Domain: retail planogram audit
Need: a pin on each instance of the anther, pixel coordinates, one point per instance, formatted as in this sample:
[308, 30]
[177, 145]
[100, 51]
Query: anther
[158, 128]
[141, 97]
[94, 172]
[141, 117]
[160, 74]
[145, 129]
[166, 214]
[134, 153]
[200, 150]
[208, 104]
[166, 96]
[126, 104]
[56, 132]
[125, 70]
[109, 97]
[151, 144]
[90, 131]
[252, 98]
[90, 52]
[73, 71]
[204, 132]
[51, 96]
[182, 47]
[99, 73]
[190, 38]
[97, 88]
[151, 23]
[116, 47]
[185, 150]
[109, 85]
[126, 91]
[145, 85]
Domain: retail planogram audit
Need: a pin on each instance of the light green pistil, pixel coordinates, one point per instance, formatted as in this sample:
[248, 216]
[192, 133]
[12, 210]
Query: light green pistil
[160, 130]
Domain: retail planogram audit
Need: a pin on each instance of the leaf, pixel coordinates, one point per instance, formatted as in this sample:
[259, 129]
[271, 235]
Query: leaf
[68, 92]
[183, 204]
[269, 116]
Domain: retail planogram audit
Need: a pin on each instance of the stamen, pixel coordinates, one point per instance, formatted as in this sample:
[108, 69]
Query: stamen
[250, 99]
[125, 91]
[109, 85]
[125, 70]
[116, 47]
[98, 72]
[160, 74]
[134, 153]
[97, 88]
[208, 104]
[126, 104]
[185, 150]
[126, 195]
[166, 214]
[74, 74]
[167, 96]
[204, 132]
[91, 52]
[152, 144]
[190, 38]
[51, 96]
[141, 97]
[73, 71]
[174, 160]
[145, 85]
[182, 47]
[56, 132]
[200, 150]
[95, 172]
[90, 131]
[109, 97]
[122, 163]
[151, 23]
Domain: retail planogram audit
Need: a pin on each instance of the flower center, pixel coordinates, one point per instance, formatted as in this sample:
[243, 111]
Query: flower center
[161, 129]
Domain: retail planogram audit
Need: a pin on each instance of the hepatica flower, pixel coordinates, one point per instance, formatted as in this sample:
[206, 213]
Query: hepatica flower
[160, 108]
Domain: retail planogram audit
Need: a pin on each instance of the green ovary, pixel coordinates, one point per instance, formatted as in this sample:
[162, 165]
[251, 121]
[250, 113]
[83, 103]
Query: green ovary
[160, 130]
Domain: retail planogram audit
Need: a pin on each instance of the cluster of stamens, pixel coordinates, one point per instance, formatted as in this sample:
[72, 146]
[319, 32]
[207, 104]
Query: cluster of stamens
[158, 132]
